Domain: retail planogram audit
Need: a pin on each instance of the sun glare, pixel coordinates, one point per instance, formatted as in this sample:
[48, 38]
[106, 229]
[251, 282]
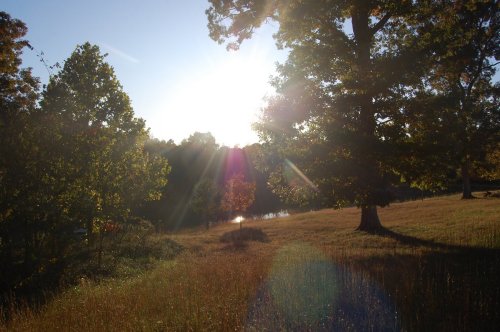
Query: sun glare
[223, 98]
[238, 219]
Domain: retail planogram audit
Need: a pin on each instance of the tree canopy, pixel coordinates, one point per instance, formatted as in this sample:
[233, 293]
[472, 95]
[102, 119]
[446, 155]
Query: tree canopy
[338, 114]
[238, 195]
[367, 93]
[465, 42]
[75, 162]
[18, 178]
[101, 140]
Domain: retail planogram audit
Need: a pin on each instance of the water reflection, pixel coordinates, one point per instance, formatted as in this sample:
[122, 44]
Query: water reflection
[272, 215]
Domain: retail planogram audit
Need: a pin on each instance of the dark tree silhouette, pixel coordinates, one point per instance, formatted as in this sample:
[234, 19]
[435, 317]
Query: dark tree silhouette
[338, 115]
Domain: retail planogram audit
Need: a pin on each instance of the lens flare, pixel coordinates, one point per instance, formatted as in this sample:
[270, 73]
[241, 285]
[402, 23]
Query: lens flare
[307, 291]
[295, 177]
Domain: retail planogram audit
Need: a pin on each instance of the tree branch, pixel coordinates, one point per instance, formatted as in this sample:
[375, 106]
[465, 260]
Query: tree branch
[380, 24]
[492, 65]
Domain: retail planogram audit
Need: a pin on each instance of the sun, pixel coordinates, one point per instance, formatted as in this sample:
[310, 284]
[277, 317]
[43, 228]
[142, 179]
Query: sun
[224, 98]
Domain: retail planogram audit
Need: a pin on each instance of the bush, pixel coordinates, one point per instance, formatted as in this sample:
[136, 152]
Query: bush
[125, 254]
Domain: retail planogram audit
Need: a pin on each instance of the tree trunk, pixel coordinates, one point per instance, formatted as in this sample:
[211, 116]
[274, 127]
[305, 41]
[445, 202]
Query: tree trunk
[99, 252]
[366, 122]
[369, 176]
[369, 220]
[90, 232]
[28, 244]
[467, 190]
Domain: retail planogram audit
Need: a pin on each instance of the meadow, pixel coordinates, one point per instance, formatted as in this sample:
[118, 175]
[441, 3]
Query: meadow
[436, 268]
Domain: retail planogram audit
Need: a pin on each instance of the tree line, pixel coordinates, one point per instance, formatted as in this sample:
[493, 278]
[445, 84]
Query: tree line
[209, 183]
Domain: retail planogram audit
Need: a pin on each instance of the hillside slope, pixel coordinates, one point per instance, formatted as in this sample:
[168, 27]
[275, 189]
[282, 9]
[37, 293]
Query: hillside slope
[436, 268]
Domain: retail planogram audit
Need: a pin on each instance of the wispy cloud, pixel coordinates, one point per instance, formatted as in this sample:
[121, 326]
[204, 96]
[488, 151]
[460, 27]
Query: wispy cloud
[119, 53]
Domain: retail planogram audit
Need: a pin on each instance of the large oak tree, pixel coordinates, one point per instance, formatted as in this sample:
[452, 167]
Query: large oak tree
[338, 114]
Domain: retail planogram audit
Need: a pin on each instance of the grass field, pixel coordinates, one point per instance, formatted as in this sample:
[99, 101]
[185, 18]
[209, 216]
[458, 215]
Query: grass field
[435, 269]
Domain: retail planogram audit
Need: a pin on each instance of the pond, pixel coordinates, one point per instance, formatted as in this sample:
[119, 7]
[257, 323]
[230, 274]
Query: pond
[272, 215]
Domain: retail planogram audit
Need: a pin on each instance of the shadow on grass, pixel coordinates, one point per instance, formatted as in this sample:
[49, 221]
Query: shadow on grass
[451, 288]
[121, 258]
[439, 291]
[237, 239]
[409, 240]
[435, 291]
[306, 291]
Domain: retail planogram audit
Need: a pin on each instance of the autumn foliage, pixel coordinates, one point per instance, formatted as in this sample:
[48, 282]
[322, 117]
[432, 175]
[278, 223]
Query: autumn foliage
[238, 195]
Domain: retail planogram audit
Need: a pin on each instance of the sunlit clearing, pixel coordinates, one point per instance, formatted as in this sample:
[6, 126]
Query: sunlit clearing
[238, 219]
[223, 98]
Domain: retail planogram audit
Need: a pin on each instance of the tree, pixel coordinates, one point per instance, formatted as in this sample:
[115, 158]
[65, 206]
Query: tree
[265, 200]
[100, 142]
[205, 201]
[492, 169]
[465, 39]
[18, 88]
[238, 195]
[200, 170]
[195, 162]
[430, 165]
[338, 114]
[18, 176]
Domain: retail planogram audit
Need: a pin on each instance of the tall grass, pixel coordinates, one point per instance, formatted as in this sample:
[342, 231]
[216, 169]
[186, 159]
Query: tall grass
[435, 269]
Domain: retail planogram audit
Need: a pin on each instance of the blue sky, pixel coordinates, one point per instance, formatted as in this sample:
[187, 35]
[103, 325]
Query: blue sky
[180, 81]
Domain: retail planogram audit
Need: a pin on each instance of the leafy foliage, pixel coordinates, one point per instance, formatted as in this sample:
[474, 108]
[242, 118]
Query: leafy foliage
[72, 170]
[371, 91]
[238, 195]
[462, 114]
[102, 141]
[338, 114]
[19, 180]
[204, 201]
[200, 170]
[194, 166]
[259, 163]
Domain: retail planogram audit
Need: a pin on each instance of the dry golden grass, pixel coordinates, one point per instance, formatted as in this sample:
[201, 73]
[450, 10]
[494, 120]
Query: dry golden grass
[211, 286]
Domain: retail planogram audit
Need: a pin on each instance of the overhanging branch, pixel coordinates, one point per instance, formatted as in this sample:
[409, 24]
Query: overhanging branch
[380, 24]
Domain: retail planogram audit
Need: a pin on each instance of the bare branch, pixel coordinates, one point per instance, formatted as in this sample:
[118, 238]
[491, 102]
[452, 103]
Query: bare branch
[492, 65]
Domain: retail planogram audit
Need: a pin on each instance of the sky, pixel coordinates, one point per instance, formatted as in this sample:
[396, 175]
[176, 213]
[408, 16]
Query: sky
[179, 80]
